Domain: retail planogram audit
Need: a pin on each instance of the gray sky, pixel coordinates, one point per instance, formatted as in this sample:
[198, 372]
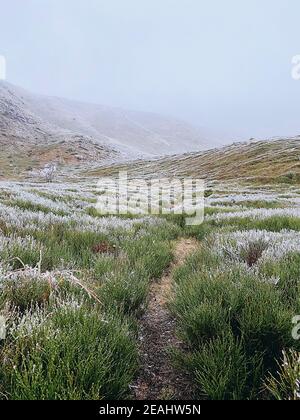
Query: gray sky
[223, 65]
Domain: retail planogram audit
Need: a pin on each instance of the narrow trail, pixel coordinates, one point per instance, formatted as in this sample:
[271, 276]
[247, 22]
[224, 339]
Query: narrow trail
[158, 379]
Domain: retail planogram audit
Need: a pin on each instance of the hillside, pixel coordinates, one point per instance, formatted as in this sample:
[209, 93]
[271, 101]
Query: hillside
[35, 129]
[263, 161]
[28, 141]
[95, 140]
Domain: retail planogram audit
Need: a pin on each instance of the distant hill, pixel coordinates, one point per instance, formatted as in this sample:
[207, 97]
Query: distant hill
[43, 128]
[94, 140]
[262, 161]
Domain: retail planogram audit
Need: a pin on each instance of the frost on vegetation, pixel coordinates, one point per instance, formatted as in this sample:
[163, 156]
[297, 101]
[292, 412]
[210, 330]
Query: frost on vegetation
[72, 200]
[240, 198]
[256, 246]
[8, 243]
[52, 278]
[36, 199]
[26, 219]
[48, 172]
[256, 214]
[34, 319]
[27, 323]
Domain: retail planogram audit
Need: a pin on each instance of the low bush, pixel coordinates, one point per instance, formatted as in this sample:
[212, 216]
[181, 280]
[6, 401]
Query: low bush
[220, 308]
[221, 369]
[73, 354]
[286, 384]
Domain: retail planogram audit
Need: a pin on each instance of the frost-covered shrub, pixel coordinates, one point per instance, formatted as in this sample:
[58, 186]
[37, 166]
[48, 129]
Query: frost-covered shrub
[48, 172]
[257, 214]
[255, 246]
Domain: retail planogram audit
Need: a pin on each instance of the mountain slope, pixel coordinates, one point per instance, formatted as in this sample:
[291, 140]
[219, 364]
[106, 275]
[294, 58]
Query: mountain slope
[129, 132]
[27, 141]
[263, 161]
[141, 133]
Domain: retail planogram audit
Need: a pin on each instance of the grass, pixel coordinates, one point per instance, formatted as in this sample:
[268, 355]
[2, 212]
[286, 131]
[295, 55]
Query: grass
[273, 223]
[77, 340]
[28, 205]
[288, 271]
[256, 204]
[234, 323]
[258, 163]
[94, 354]
[74, 354]
[286, 385]
[219, 380]
[72, 297]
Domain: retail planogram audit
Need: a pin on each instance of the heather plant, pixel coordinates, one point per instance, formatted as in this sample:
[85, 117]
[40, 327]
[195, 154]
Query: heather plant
[222, 369]
[287, 271]
[254, 247]
[220, 307]
[73, 285]
[259, 219]
[285, 385]
[22, 292]
[71, 303]
[73, 353]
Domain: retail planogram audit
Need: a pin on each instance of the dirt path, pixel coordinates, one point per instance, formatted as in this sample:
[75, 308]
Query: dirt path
[158, 379]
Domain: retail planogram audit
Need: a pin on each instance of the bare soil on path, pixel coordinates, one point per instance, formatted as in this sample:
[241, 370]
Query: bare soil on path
[158, 379]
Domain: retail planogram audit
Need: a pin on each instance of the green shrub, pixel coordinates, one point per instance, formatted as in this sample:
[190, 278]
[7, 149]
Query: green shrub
[76, 354]
[273, 223]
[287, 270]
[23, 293]
[213, 301]
[18, 256]
[221, 369]
[125, 291]
[105, 264]
[286, 384]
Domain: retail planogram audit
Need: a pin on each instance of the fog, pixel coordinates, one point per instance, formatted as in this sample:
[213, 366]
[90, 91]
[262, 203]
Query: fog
[222, 65]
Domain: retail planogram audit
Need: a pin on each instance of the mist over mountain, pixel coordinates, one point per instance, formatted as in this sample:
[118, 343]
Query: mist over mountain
[44, 119]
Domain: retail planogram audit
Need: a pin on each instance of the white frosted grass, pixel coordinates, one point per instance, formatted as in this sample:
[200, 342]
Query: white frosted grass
[26, 219]
[7, 243]
[74, 199]
[59, 199]
[64, 193]
[33, 319]
[262, 196]
[82, 191]
[74, 208]
[38, 319]
[257, 214]
[42, 201]
[233, 198]
[74, 204]
[225, 208]
[275, 245]
[28, 323]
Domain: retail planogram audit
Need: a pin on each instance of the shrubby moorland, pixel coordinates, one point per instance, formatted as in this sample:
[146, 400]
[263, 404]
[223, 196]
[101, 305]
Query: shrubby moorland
[74, 286]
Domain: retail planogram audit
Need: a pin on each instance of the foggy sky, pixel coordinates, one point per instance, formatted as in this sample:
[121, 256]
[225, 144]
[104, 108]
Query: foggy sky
[222, 65]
